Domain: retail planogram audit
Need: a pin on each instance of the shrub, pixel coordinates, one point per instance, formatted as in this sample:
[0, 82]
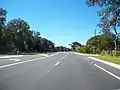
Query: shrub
[77, 49]
[110, 53]
[102, 53]
[115, 53]
[98, 51]
[106, 53]
[118, 53]
[85, 49]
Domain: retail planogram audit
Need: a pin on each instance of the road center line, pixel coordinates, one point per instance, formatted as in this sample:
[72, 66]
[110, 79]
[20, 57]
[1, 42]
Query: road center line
[115, 76]
[65, 56]
[57, 63]
[48, 71]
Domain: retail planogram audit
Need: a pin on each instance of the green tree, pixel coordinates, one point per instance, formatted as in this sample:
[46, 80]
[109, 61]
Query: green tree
[8, 39]
[20, 30]
[100, 42]
[62, 49]
[109, 15]
[74, 45]
[85, 49]
[3, 14]
[16, 35]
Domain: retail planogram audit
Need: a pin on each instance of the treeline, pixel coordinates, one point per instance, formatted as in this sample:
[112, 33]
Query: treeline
[96, 44]
[16, 35]
[109, 15]
[62, 49]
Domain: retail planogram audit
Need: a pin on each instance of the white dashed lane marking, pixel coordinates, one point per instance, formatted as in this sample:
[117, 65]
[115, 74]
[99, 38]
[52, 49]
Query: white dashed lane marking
[48, 71]
[64, 56]
[57, 63]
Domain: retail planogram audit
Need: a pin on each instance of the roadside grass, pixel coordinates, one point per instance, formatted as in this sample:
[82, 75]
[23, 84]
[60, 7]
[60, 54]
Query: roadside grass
[86, 54]
[112, 59]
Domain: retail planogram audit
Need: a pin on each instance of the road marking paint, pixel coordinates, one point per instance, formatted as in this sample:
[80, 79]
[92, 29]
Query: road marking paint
[10, 56]
[20, 62]
[48, 71]
[14, 59]
[115, 76]
[24, 61]
[44, 55]
[92, 62]
[65, 56]
[57, 63]
[106, 62]
[51, 68]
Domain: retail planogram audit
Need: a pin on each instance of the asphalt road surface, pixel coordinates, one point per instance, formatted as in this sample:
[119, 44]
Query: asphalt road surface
[61, 71]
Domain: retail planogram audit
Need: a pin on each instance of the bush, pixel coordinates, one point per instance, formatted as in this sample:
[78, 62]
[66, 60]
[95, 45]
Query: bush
[81, 50]
[14, 51]
[85, 49]
[110, 53]
[118, 53]
[106, 53]
[77, 49]
[102, 53]
[98, 51]
[115, 53]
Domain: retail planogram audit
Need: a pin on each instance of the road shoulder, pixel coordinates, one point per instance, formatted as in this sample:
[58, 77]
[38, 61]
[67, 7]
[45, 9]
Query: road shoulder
[106, 62]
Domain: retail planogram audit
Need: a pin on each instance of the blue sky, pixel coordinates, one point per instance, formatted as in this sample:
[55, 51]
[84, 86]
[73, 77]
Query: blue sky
[61, 21]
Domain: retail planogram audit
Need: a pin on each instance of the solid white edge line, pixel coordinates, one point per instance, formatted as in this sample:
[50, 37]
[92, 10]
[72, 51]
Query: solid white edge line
[106, 62]
[115, 76]
[57, 63]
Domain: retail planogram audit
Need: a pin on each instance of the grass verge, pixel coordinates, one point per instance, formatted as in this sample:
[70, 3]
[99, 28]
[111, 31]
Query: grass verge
[112, 59]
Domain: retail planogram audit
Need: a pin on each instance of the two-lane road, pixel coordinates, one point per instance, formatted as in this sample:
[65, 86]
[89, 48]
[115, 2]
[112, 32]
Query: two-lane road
[63, 71]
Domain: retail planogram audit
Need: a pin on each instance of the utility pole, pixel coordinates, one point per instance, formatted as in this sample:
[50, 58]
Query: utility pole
[95, 41]
[116, 43]
[95, 32]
